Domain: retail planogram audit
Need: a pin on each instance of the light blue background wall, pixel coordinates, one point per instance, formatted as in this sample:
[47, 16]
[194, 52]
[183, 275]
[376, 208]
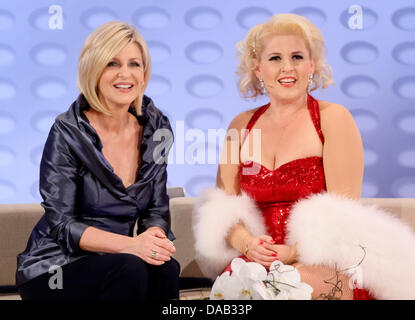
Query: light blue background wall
[192, 43]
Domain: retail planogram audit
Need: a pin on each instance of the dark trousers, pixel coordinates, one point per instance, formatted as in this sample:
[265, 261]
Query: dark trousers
[108, 277]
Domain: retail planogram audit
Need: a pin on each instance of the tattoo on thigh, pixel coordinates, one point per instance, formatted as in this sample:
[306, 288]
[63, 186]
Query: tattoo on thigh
[336, 291]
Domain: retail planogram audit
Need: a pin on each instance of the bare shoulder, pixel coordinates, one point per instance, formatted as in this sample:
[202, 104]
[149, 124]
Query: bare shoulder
[333, 114]
[241, 120]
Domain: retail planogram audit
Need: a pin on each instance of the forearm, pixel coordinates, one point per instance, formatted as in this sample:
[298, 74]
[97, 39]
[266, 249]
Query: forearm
[238, 237]
[96, 240]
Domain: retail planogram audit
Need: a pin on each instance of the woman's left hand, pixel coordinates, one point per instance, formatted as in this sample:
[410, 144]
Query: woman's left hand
[161, 244]
[152, 246]
[282, 250]
[164, 242]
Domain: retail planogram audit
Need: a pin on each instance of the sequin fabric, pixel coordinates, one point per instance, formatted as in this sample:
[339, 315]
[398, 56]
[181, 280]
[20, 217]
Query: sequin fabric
[275, 191]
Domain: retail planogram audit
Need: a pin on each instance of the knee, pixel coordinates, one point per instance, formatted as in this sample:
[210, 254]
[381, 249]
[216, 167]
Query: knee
[130, 266]
[127, 278]
[131, 262]
[134, 270]
[170, 268]
[164, 281]
[174, 266]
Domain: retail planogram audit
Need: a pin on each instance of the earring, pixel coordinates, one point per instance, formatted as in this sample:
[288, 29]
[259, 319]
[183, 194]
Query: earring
[310, 83]
[262, 85]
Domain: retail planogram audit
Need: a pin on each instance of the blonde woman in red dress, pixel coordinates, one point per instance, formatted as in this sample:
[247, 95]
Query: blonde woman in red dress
[291, 192]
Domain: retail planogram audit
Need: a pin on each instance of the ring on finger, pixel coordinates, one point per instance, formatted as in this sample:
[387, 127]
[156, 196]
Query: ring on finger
[153, 254]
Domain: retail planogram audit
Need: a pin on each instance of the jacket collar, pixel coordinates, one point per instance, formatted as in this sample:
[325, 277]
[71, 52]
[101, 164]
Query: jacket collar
[84, 125]
[86, 142]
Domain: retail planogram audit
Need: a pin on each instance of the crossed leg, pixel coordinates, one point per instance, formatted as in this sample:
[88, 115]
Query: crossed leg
[327, 282]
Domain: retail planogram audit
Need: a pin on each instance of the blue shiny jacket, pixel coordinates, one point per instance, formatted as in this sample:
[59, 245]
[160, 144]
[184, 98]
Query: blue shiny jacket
[79, 189]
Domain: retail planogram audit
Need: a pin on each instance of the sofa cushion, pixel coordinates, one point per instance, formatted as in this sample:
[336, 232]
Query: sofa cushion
[16, 224]
[181, 210]
[18, 220]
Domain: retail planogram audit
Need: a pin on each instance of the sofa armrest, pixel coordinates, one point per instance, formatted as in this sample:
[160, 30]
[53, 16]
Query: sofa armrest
[403, 208]
[16, 224]
[181, 210]
[175, 192]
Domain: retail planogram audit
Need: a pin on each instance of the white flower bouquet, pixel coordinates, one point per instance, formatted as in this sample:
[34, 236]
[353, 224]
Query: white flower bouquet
[251, 281]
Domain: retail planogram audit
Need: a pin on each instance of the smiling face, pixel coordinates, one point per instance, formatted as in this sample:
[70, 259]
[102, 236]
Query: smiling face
[122, 80]
[285, 65]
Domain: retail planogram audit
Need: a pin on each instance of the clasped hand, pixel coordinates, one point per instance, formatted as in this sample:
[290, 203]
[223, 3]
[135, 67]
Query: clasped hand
[152, 246]
[264, 251]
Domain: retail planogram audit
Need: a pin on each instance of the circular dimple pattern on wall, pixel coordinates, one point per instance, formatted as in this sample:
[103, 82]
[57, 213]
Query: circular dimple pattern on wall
[404, 18]
[43, 121]
[405, 87]
[7, 156]
[36, 155]
[204, 86]
[359, 52]
[203, 18]
[193, 78]
[158, 51]
[370, 157]
[365, 120]
[404, 187]
[7, 190]
[49, 88]
[7, 123]
[94, 17]
[316, 16]
[204, 119]
[406, 122]
[6, 20]
[34, 190]
[204, 52]
[200, 153]
[158, 86]
[195, 185]
[369, 20]
[151, 18]
[405, 53]
[7, 55]
[359, 86]
[251, 16]
[407, 158]
[369, 189]
[7, 89]
[39, 19]
[49, 54]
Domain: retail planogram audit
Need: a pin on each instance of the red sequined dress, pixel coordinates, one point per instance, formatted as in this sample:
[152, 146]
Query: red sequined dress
[275, 191]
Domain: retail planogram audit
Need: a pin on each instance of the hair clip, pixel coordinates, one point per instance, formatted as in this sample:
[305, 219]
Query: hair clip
[253, 49]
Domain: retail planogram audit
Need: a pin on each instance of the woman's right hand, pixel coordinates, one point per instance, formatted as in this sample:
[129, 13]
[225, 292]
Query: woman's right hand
[262, 250]
[151, 240]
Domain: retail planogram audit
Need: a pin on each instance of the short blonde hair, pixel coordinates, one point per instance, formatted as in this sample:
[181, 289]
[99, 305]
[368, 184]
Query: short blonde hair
[281, 24]
[99, 48]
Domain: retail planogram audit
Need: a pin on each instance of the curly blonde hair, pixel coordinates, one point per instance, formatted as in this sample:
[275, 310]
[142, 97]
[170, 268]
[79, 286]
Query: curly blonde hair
[99, 48]
[281, 24]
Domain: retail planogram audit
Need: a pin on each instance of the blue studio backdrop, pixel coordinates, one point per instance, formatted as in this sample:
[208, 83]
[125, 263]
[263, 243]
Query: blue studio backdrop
[370, 45]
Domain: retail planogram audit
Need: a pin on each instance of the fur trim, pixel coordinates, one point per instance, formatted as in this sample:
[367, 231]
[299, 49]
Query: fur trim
[215, 212]
[330, 229]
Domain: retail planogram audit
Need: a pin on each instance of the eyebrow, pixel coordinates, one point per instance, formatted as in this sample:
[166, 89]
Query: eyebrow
[295, 52]
[135, 58]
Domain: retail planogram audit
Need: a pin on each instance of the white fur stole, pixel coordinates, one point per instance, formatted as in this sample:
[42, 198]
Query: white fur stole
[330, 230]
[215, 213]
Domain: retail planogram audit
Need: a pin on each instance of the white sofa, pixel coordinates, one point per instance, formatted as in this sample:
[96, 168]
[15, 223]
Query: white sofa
[17, 221]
